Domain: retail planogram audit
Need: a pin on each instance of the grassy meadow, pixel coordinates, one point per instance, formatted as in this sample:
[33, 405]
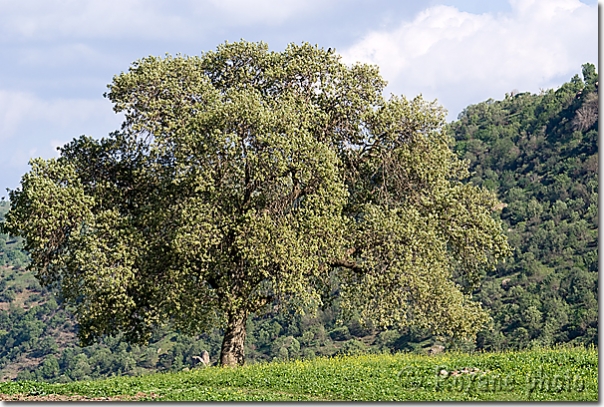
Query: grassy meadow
[544, 374]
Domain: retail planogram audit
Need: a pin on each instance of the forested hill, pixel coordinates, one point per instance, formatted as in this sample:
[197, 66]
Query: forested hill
[539, 153]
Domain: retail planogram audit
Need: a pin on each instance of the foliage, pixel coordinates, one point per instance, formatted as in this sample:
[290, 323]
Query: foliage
[561, 374]
[11, 252]
[540, 154]
[246, 179]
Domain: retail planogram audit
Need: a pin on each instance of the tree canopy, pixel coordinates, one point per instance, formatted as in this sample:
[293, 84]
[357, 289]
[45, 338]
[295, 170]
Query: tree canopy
[246, 180]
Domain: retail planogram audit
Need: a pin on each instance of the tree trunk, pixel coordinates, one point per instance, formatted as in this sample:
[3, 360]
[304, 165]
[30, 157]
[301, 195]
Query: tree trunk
[232, 352]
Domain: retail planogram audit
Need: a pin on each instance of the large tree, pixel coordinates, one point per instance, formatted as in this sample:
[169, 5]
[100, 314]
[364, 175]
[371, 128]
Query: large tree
[245, 180]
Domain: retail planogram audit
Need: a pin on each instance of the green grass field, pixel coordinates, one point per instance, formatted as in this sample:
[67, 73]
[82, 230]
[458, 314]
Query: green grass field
[556, 374]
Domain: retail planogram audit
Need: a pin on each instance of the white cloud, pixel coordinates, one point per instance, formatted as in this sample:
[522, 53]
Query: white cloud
[50, 20]
[63, 55]
[271, 12]
[53, 19]
[463, 58]
[14, 107]
[20, 157]
[18, 109]
[31, 126]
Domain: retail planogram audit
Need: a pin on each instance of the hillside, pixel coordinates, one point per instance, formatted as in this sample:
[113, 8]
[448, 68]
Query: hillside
[537, 152]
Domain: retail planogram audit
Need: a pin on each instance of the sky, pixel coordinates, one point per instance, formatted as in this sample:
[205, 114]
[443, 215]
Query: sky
[59, 55]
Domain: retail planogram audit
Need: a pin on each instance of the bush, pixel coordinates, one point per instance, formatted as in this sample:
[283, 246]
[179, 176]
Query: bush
[283, 354]
[308, 353]
[353, 347]
[46, 346]
[388, 339]
[356, 328]
[285, 347]
[8, 296]
[340, 334]
[50, 368]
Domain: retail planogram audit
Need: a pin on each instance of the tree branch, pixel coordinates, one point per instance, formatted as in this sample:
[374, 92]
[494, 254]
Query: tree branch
[347, 264]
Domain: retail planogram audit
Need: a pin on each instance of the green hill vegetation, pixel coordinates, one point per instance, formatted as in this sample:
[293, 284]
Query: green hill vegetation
[561, 374]
[537, 152]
